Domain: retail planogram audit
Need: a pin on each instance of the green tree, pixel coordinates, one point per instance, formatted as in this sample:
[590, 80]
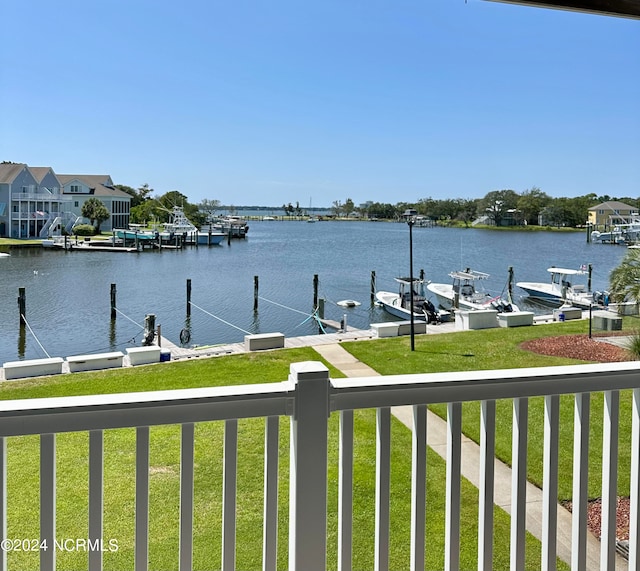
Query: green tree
[348, 207]
[468, 210]
[96, 212]
[531, 203]
[624, 280]
[497, 203]
[138, 196]
[144, 212]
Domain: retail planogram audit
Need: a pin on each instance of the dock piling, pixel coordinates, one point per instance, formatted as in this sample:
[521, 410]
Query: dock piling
[255, 293]
[315, 290]
[373, 286]
[112, 294]
[188, 297]
[22, 306]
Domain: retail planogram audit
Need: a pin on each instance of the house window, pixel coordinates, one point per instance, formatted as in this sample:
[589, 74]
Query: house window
[75, 188]
[76, 204]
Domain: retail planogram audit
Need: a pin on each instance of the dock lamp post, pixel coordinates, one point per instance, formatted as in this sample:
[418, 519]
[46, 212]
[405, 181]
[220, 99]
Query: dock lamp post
[410, 216]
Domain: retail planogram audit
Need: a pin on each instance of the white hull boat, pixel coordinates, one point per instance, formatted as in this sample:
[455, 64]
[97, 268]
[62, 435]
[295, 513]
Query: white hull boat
[563, 289]
[463, 294]
[399, 304]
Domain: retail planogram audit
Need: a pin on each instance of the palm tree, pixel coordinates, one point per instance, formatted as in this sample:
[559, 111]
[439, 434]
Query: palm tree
[624, 280]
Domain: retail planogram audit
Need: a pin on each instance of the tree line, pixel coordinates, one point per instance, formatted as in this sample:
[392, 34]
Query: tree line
[498, 207]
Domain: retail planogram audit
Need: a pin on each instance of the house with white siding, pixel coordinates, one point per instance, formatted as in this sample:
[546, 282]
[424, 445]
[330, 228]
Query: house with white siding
[78, 188]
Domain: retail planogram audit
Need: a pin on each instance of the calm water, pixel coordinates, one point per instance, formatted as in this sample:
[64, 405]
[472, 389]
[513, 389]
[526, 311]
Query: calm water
[68, 306]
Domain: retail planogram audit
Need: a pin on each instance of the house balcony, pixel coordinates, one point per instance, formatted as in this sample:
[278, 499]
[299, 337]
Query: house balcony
[40, 197]
[319, 494]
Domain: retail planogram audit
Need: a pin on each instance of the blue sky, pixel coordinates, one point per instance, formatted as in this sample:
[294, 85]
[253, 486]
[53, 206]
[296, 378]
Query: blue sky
[255, 102]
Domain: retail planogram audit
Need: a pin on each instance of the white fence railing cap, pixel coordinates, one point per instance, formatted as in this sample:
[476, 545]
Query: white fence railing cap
[394, 390]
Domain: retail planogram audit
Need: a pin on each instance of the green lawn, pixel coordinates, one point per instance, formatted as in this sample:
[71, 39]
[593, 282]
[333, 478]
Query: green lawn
[499, 349]
[460, 351]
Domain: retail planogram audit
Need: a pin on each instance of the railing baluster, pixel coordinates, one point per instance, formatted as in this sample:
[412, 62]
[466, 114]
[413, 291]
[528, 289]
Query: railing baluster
[186, 497]
[486, 483]
[142, 499]
[229, 479]
[3, 501]
[48, 501]
[452, 509]
[270, 530]
[519, 482]
[345, 492]
[634, 508]
[580, 482]
[550, 482]
[383, 474]
[610, 425]
[418, 487]
[96, 479]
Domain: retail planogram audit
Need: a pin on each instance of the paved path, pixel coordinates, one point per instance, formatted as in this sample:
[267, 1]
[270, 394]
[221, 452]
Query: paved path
[437, 440]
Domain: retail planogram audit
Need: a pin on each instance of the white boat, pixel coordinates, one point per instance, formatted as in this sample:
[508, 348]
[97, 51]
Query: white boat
[463, 293]
[234, 225]
[3, 255]
[563, 288]
[136, 235]
[181, 225]
[399, 304]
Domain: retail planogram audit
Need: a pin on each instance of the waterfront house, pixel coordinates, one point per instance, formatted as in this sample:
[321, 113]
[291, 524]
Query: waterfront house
[79, 188]
[31, 201]
[612, 211]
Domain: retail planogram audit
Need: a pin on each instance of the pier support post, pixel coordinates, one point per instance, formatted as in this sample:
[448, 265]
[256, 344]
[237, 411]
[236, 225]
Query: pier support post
[149, 329]
[255, 293]
[22, 306]
[315, 290]
[188, 297]
[113, 301]
[373, 286]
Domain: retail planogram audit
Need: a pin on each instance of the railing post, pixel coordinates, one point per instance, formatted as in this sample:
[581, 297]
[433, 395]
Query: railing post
[308, 467]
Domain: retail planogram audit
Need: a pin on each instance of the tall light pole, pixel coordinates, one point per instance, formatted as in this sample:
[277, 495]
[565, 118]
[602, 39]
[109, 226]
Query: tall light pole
[410, 216]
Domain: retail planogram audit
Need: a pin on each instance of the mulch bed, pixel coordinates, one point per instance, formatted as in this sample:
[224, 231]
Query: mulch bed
[578, 347]
[586, 349]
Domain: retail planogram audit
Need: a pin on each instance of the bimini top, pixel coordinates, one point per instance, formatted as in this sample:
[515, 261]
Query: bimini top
[567, 272]
[469, 275]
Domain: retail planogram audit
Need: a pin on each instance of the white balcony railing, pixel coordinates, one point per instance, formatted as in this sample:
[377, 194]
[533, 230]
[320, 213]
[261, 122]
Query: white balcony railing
[40, 196]
[308, 398]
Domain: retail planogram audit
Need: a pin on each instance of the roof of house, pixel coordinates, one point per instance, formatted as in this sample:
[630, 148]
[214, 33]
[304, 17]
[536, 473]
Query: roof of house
[101, 184]
[40, 172]
[9, 171]
[613, 205]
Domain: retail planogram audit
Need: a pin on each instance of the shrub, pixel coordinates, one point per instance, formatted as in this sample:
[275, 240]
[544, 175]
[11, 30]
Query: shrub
[84, 230]
[634, 345]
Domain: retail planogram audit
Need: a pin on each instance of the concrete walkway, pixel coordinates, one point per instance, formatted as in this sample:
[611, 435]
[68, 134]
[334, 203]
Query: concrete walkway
[437, 440]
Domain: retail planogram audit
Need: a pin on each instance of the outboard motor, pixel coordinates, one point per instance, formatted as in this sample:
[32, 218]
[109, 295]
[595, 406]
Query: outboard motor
[430, 312]
[601, 297]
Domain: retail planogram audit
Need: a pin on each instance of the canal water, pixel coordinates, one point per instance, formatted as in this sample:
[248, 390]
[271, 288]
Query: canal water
[68, 293]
